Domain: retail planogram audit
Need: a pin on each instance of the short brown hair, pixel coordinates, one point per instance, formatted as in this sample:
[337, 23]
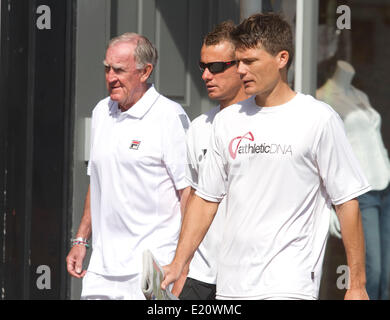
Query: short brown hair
[269, 30]
[221, 32]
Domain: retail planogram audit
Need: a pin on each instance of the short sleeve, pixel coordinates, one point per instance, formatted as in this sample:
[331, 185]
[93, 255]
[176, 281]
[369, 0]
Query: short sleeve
[339, 169]
[213, 175]
[174, 148]
[91, 140]
[192, 165]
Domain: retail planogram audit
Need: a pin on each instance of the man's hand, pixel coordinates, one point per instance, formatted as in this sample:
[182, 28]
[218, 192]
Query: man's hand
[179, 283]
[75, 258]
[74, 261]
[356, 294]
[172, 273]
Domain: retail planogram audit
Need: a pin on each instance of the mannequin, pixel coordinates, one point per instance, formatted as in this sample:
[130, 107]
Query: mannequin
[362, 124]
[338, 85]
[344, 73]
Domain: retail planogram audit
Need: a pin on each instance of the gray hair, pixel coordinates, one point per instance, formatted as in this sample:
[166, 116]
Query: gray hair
[144, 53]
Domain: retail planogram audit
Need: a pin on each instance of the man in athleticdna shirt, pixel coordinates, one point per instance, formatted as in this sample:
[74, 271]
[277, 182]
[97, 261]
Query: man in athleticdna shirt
[280, 159]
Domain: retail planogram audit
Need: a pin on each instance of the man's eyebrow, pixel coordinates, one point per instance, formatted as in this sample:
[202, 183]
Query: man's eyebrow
[114, 66]
[249, 59]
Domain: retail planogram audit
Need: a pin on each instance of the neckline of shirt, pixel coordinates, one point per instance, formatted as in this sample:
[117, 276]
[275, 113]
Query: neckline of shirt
[278, 108]
[139, 109]
[332, 87]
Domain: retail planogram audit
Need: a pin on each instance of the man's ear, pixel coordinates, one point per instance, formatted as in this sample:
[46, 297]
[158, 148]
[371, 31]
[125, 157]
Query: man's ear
[282, 58]
[146, 72]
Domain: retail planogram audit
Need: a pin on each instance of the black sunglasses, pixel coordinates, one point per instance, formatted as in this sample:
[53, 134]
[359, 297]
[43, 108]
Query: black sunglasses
[216, 67]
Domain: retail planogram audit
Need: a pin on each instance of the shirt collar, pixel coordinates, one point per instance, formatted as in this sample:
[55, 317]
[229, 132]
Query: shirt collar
[141, 107]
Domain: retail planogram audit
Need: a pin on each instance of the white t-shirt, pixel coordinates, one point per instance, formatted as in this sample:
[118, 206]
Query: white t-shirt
[137, 164]
[203, 266]
[363, 128]
[284, 166]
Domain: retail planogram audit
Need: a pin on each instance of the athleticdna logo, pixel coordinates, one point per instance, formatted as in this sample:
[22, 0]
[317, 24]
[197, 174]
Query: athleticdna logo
[236, 146]
[235, 143]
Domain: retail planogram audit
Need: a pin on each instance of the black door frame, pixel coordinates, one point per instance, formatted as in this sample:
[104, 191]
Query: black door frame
[36, 143]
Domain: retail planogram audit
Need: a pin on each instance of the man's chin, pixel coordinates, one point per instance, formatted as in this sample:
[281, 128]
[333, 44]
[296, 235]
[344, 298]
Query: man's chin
[115, 97]
[214, 96]
[250, 90]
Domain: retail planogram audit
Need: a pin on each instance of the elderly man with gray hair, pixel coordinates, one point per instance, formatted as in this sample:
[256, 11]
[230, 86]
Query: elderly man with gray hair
[137, 176]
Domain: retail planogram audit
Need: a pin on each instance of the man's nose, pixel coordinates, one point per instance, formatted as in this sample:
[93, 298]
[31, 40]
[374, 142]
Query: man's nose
[240, 68]
[206, 75]
[111, 76]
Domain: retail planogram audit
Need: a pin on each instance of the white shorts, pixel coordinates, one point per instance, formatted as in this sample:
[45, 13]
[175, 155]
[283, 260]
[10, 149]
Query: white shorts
[100, 287]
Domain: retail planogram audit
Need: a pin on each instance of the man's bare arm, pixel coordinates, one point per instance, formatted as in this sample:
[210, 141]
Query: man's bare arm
[75, 258]
[184, 195]
[353, 238]
[198, 217]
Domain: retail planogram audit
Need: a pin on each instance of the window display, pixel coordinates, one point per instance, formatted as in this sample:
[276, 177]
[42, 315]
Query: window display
[352, 78]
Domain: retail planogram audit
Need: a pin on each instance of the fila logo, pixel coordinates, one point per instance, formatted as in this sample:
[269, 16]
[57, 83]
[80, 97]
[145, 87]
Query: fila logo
[135, 144]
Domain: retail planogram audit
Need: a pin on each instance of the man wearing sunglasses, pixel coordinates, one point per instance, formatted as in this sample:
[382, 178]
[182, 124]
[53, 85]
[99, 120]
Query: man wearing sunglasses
[219, 73]
[280, 159]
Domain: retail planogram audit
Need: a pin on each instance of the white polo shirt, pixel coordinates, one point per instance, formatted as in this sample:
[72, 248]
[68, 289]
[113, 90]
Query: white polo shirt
[203, 266]
[284, 166]
[137, 165]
